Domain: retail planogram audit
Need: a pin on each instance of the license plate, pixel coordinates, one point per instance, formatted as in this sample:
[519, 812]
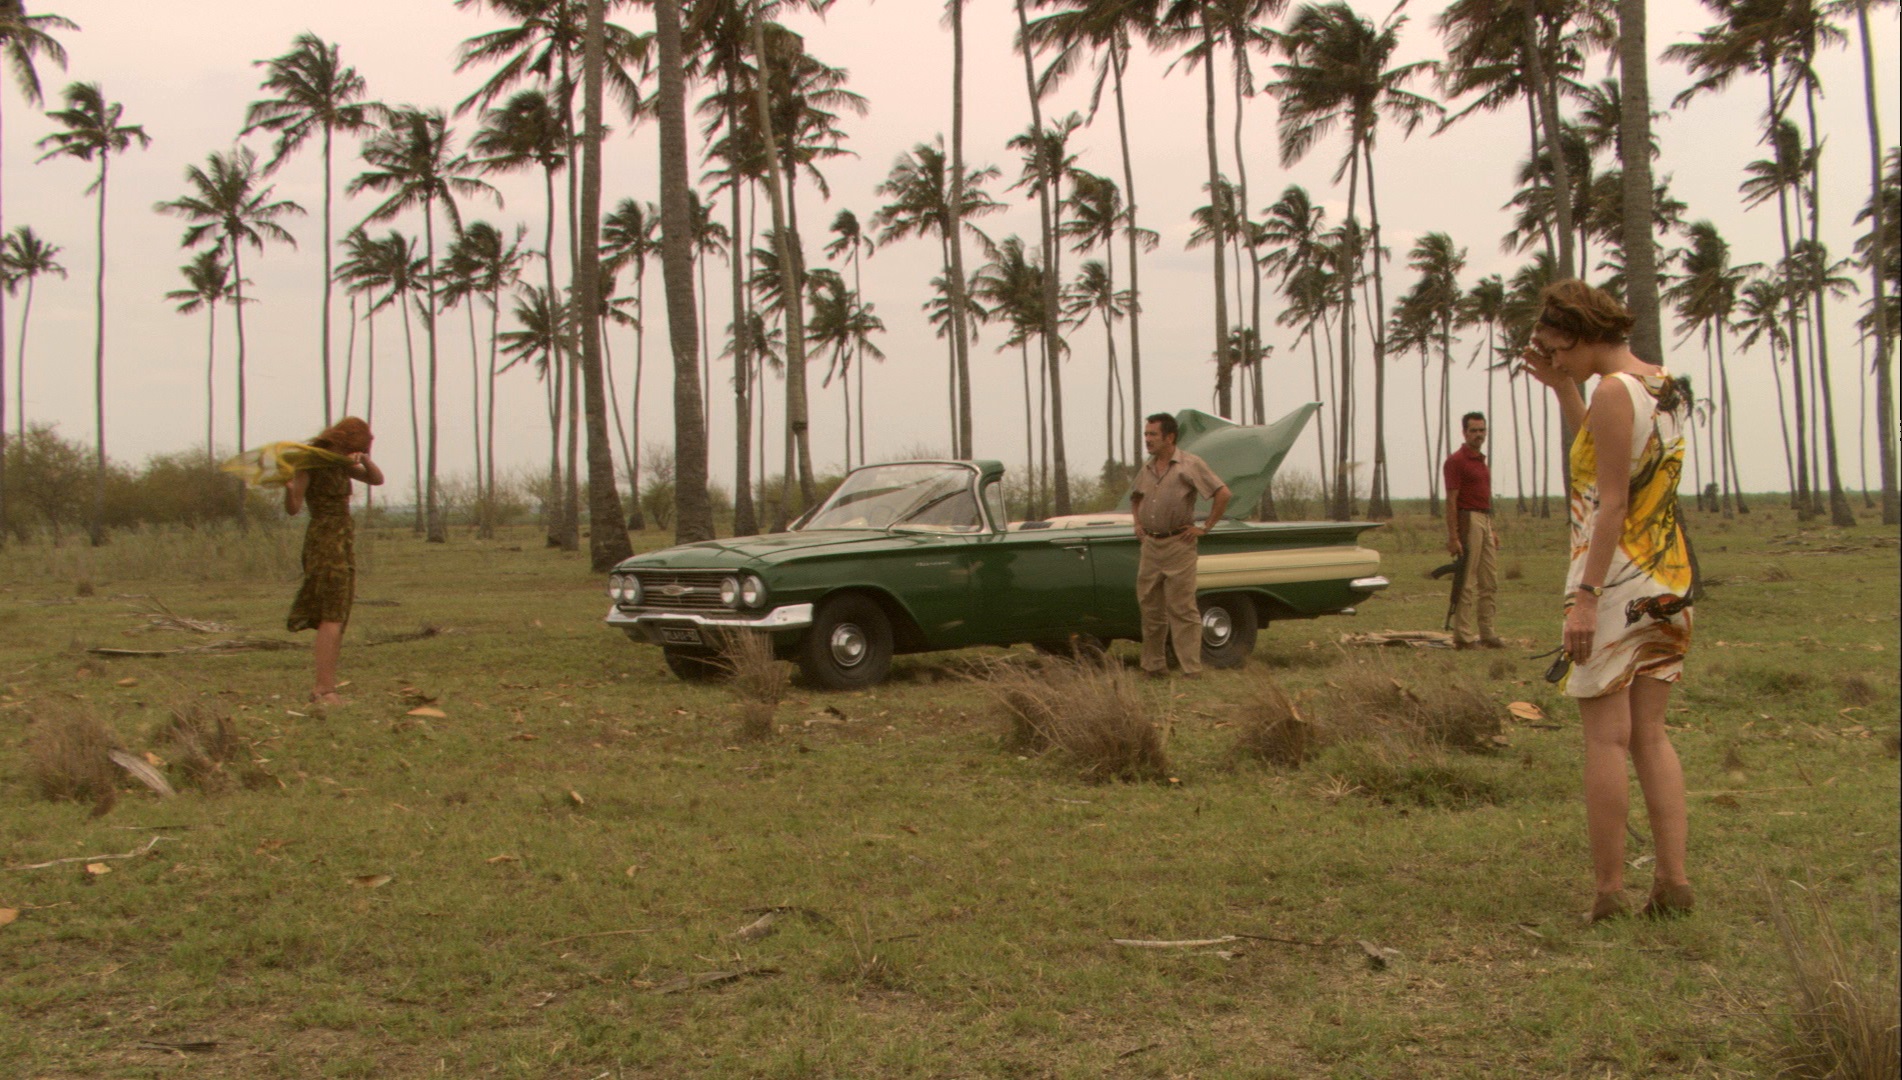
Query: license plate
[680, 635]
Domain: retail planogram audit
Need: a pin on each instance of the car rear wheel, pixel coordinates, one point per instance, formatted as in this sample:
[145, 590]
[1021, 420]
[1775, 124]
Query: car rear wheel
[849, 646]
[1229, 627]
[693, 665]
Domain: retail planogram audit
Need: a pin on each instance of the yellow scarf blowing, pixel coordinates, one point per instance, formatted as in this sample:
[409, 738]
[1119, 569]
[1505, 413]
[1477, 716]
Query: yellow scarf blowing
[273, 464]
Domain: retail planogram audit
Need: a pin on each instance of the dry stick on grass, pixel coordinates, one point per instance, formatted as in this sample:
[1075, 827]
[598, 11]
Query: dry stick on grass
[133, 854]
[160, 617]
[1089, 711]
[210, 648]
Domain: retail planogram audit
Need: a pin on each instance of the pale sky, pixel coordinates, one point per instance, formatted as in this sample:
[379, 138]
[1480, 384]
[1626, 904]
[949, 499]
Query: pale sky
[189, 81]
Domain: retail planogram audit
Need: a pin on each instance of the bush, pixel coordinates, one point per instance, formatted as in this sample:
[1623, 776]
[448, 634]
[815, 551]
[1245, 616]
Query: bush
[1370, 701]
[1272, 727]
[67, 756]
[1089, 712]
[200, 740]
[1843, 1019]
[759, 679]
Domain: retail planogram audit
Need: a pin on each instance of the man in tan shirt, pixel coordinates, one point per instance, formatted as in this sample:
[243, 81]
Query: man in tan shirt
[1163, 502]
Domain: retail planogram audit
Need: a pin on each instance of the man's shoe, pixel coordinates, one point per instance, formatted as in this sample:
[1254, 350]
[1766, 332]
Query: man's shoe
[1491, 643]
[1161, 674]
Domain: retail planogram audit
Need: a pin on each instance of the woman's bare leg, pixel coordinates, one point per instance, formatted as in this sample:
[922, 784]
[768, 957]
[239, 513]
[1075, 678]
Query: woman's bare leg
[328, 648]
[1607, 723]
[1660, 776]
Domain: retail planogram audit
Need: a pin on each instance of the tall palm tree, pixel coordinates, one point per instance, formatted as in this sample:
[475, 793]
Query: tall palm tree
[607, 542]
[361, 274]
[1760, 306]
[91, 129]
[459, 285]
[693, 514]
[1704, 292]
[1047, 164]
[850, 241]
[412, 162]
[1635, 151]
[1107, 27]
[24, 257]
[403, 275]
[544, 339]
[23, 40]
[1096, 214]
[629, 236]
[1483, 305]
[1291, 230]
[1191, 21]
[314, 91]
[1337, 73]
[228, 207]
[1439, 261]
[1777, 177]
[1011, 283]
[920, 189]
[1094, 293]
[842, 326]
[207, 284]
[1876, 258]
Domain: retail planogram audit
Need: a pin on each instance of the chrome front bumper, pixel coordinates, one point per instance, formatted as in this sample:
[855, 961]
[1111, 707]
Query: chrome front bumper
[646, 625]
[1369, 583]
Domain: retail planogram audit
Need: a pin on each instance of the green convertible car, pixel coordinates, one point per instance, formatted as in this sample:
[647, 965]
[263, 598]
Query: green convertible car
[918, 556]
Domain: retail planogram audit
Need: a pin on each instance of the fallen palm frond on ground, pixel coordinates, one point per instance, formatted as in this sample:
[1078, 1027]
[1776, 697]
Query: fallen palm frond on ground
[1844, 1022]
[423, 632]
[758, 678]
[69, 756]
[210, 648]
[160, 617]
[1091, 712]
[1413, 639]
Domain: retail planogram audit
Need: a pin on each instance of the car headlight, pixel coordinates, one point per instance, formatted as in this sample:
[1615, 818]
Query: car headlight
[730, 592]
[631, 591]
[752, 591]
[615, 587]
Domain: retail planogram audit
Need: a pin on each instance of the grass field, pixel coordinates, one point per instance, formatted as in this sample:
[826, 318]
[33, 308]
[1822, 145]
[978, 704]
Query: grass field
[522, 885]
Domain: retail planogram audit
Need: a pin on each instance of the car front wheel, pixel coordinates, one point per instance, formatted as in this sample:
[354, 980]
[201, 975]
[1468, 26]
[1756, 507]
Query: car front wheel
[1229, 624]
[849, 646]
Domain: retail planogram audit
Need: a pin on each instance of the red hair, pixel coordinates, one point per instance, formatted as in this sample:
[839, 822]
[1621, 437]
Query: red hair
[347, 436]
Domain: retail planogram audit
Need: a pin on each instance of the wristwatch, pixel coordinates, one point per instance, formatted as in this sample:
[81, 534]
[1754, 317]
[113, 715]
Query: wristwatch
[1595, 590]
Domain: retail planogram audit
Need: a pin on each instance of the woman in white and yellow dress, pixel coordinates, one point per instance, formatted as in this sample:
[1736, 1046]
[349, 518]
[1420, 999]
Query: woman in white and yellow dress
[1630, 583]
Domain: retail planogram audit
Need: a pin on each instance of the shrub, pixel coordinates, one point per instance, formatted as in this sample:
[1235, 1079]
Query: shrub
[1371, 701]
[1089, 712]
[1272, 727]
[67, 755]
[1297, 495]
[200, 741]
[1843, 1017]
[759, 680]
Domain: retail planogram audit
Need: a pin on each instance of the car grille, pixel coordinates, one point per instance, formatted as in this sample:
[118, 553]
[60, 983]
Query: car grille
[661, 590]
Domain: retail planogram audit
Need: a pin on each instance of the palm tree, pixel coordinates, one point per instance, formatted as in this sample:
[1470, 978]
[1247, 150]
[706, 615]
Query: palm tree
[546, 335]
[1704, 292]
[1776, 177]
[1096, 214]
[207, 284]
[1106, 26]
[315, 91]
[629, 235]
[843, 325]
[1012, 284]
[1760, 306]
[1337, 73]
[693, 514]
[23, 40]
[1439, 261]
[920, 189]
[1483, 305]
[850, 241]
[413, 163]
[229, 208]
[361, 273]
[24, 256]
[607, 542]
[1878, 215]
[1047, 163]
[402, 274]
[1413, 328]
[1094, 293]
[710, 239]
[92, 130]
[1291, 230]
[1635, 151]
[459, 285]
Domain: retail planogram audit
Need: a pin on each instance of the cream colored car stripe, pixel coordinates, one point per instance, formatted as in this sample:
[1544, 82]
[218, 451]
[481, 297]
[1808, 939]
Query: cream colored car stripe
[1277, 567]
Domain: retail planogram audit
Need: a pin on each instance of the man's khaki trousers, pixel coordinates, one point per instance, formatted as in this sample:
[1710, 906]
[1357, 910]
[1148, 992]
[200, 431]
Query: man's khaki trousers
[1165, 588]
[1480, 582]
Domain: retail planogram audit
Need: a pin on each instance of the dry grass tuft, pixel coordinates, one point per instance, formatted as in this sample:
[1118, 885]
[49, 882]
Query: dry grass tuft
[1370, 700]
[200, 741]
[67, 758]
[759, 679]
[1513, 572]
[1090, 712]
[1272, 727]
[1856, 690]
[1777, 572]
[1844, 1022]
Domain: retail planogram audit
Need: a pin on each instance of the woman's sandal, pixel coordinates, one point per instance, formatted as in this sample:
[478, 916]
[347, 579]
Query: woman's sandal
[1607, 905]
[1669, 901]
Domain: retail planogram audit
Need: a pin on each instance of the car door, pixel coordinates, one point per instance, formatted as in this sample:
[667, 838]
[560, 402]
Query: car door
[1114, 554]
[1033, 585]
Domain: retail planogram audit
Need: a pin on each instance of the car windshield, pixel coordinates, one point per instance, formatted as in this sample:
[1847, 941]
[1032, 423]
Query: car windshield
[929, 497]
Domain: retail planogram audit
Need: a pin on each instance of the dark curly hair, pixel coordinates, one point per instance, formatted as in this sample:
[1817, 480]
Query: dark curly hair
[1592, 315]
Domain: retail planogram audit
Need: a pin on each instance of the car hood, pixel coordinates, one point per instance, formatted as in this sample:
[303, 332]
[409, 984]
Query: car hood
[744, 552]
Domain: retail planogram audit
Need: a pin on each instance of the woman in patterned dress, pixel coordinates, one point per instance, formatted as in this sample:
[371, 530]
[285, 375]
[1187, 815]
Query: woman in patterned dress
[330, 576]
[1630, 583]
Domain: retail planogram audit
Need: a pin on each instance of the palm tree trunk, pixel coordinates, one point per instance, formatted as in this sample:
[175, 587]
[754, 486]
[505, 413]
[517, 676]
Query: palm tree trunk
[858, 289]
[1380, 504]
[1840, 514]
[3, 351]
[1118, 58]
[1878, 284]
[211, 367]
[607, 539]
[1426, 436]
[1800, 490]
[1343, 430]
[1320, 418]
[328, 283]
[1030, 440]
[1048, 198]
[1518, 468]
[1224, 362]
[98, 524]
[961, 442]
[475, 396]
[369, 391]
[350, 356]
[415, 421]
[693, 518]
[637, 520]
[744, 523]
[1733, 491]
[489, 506]
[1634, 140]
[437, 530]
[799, 450]
[571, 482]
[1543, 87]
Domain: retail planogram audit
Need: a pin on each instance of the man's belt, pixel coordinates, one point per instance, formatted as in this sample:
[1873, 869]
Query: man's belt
[1167, 535]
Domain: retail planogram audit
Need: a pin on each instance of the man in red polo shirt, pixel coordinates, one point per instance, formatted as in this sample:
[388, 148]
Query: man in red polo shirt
[1470, 539]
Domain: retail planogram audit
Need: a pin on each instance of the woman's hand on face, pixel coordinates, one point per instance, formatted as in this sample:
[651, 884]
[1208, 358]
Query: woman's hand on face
[1581, 626]
[1542, 366]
